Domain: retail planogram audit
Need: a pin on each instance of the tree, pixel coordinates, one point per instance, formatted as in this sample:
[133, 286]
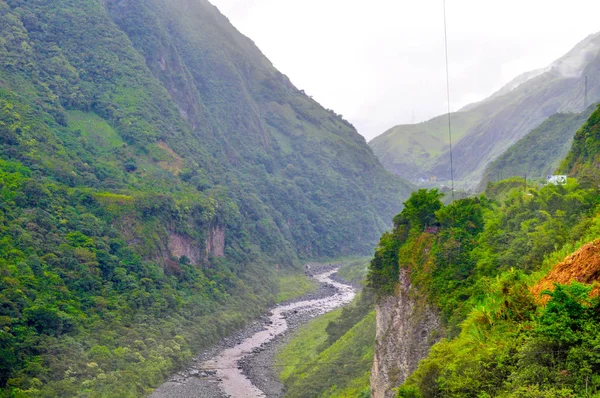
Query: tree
[421, 207]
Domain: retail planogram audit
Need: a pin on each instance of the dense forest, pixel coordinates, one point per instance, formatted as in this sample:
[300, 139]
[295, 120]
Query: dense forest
[157, 174]
[518, 321]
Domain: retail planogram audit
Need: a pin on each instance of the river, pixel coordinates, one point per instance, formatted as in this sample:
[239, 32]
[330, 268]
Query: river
[221, 375]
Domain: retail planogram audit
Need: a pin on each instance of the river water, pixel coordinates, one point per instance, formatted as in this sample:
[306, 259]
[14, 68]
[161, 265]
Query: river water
[231, 380]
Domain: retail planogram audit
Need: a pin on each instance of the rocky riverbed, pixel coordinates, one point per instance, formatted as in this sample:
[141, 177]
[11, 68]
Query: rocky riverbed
[243, 366]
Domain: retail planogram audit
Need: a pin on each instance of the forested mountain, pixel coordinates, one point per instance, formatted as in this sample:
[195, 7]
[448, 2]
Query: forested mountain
[485, 130]
[540, 152]
[508, 279]
[583, 160]
[155, 171]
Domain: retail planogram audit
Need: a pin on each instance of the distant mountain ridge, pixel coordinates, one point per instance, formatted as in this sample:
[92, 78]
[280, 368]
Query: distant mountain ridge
[499, 121]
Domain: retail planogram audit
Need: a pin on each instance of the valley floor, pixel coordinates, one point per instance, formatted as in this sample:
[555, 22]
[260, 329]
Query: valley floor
[198, 381]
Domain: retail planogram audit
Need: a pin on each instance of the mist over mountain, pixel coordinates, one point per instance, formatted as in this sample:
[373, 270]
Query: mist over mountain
[485, 130]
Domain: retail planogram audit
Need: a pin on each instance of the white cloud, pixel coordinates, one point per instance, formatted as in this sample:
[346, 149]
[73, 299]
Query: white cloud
[378, 62]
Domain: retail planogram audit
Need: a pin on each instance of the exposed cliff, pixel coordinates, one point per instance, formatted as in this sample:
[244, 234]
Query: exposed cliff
[406, 329]
[414, 266]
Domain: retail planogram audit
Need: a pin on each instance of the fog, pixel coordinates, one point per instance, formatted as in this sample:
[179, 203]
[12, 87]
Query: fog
[381, 62]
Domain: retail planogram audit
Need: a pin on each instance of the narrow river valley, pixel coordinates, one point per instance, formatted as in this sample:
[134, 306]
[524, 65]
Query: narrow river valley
[219, 373]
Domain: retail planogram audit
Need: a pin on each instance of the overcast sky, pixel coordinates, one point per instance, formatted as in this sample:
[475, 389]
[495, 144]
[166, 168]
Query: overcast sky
[381, 62]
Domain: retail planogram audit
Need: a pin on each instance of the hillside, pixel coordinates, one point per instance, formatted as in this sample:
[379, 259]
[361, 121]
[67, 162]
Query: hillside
[156, 171]
[467, 268]
[583, 159]
[508, 279]
[540, 152]
[409, 150]
[501, 120]
[282, 145]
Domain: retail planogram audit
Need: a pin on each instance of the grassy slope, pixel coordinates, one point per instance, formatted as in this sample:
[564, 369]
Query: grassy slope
[583, 159]
[341, 370]
[411, 150]
[95, 130]
[334, 351]
[293, 285]
[305, 344]
[354, 269]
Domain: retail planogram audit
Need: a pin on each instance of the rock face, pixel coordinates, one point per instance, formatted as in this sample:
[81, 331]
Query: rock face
[406, 329]
[182, 246]
[215, 243]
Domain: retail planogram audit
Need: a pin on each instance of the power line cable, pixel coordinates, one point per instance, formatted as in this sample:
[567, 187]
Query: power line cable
[448, 97]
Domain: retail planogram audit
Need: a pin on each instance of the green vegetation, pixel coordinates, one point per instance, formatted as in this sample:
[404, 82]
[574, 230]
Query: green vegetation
[83, 313]
[474, 260]
[584, 157]
[155, 170]
[354, 270]
[304, 175]
[540, 152]
[411, 150]
[304, 347]
[511, 347]
[479, 262]
[295, 285]
[346, 366]
[94, 130]
[334, 354]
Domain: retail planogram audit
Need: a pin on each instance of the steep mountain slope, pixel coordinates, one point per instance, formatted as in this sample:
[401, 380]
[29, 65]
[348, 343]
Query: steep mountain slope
[409, 150]
[540, 152]
[155, 172]
[508, 87]
[583, 160]
[298, 156]
[507, 116]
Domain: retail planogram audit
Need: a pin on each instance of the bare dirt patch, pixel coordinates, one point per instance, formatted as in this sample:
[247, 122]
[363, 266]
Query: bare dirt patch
[582, 266]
